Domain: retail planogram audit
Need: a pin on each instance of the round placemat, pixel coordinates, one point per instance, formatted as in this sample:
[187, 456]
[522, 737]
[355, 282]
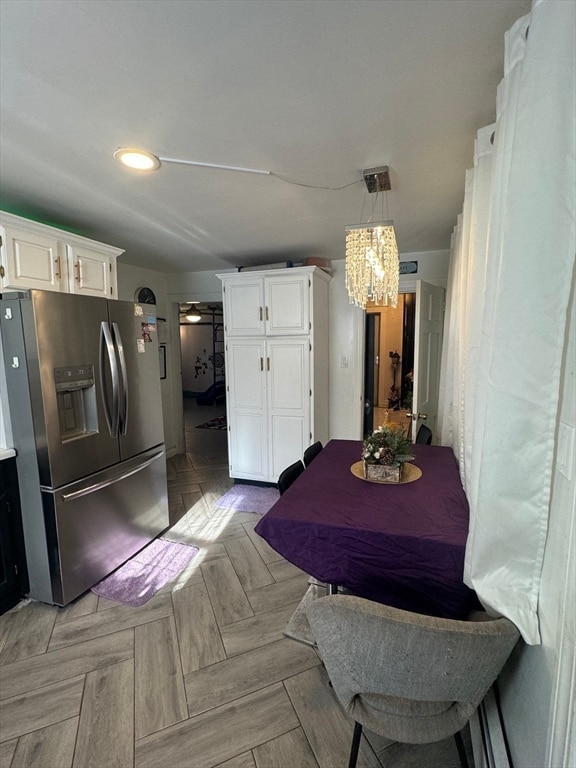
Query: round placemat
[410, 474]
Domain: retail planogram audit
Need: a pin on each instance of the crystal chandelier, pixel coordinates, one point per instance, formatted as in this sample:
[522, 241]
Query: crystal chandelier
[372, 264]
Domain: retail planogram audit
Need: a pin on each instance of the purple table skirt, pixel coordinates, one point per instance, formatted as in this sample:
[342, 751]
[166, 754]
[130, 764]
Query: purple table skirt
[402, 545]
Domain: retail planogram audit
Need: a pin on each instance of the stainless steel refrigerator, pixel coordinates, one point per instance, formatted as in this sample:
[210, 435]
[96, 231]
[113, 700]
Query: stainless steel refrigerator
[84, 391]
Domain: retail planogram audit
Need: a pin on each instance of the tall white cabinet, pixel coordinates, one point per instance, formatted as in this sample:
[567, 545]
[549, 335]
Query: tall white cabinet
[276, 342]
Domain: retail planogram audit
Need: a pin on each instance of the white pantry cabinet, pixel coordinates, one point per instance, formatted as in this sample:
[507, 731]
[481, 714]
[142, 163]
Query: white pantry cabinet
[36, 255]
[276, 342]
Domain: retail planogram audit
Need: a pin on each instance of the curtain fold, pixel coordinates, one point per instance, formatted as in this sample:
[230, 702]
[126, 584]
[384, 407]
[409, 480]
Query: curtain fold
[513, 261]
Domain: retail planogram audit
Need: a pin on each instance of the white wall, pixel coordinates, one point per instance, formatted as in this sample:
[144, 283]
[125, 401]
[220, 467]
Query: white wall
[346, 331]
[197, 367]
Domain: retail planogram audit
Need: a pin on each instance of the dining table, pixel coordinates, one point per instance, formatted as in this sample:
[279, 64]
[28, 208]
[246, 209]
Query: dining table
[402, 544]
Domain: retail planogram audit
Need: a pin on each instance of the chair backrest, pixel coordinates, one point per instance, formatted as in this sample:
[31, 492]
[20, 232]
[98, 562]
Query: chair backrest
[424, 436]
[311, 452]
[288, 475]
[428, 659]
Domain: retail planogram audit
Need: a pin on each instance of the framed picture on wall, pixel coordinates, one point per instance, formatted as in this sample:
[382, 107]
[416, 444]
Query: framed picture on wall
[162, 330]
[162, 354]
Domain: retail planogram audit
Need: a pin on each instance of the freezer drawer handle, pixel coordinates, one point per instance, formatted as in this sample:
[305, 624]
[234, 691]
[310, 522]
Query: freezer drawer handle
[122, 357]
[111, 481]
[107, 345]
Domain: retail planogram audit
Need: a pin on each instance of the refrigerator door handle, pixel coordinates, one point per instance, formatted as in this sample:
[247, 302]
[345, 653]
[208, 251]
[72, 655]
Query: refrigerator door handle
[107, 346]
[123, 423]
[105, 483]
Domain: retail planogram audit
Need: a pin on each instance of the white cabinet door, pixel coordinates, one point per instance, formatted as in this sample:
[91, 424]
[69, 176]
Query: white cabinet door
[287, 310]
[288, 397]
[31, 260]
[244, 306]
[267, 306]
[247, 412]
[91, 273]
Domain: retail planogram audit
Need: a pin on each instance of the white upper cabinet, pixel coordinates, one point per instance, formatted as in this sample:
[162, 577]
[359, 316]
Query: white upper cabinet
[271, 305]
[94, 273]
[35, 255]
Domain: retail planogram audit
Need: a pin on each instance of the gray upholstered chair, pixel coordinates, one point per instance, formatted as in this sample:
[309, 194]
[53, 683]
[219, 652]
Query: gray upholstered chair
[411, 678]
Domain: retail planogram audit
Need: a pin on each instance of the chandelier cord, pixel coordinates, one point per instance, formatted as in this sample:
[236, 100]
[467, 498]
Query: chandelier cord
[286, 180]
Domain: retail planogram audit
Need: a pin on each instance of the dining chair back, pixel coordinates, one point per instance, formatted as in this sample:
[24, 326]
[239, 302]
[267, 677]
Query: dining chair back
[410, 678]
[311, 452]
[288, 475]
[424, 436]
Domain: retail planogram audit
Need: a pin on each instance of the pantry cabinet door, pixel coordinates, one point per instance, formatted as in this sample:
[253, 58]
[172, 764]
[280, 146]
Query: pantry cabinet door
[287, 309]
[244, 306]
[246, 390]
[288, 384]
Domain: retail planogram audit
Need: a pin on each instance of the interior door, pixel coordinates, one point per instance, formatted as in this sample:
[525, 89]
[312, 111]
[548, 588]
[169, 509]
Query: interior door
[371, 369]
[427, 353]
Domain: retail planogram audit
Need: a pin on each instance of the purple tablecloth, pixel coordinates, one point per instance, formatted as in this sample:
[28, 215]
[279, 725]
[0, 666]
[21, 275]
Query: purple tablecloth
[402, 545]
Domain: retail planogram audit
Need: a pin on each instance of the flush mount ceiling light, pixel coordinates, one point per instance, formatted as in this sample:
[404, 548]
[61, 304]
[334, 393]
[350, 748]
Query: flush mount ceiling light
[372, 264]
[141, 160]
[137, 159]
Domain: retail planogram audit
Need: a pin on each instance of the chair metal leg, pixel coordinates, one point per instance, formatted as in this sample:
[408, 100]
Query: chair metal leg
[355, 745]
[461, 749]
[332, 589]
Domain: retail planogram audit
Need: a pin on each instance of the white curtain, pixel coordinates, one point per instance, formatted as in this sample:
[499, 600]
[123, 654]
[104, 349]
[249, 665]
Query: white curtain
[509, 286]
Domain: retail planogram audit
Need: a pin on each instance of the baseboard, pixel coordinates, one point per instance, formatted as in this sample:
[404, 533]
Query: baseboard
[488, 738]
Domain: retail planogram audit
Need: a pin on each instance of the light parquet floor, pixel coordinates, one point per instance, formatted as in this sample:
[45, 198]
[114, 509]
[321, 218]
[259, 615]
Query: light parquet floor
[199, 676]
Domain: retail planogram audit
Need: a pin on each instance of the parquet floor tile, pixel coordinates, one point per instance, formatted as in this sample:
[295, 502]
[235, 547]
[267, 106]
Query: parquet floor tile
[201, 676]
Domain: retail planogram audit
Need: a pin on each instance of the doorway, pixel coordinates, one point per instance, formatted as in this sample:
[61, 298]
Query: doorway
[389, 363]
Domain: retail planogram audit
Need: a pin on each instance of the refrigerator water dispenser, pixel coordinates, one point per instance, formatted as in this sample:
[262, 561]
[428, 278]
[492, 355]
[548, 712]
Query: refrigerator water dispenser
[76, 399]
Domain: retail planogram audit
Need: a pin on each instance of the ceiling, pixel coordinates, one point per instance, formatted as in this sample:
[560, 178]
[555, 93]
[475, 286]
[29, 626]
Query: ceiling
[312, 90]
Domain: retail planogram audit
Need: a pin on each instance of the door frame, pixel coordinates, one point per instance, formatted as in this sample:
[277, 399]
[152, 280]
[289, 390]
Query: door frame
[407, 285]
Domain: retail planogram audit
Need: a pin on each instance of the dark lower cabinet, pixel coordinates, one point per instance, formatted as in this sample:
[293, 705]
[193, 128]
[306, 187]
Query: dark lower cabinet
[13, 573]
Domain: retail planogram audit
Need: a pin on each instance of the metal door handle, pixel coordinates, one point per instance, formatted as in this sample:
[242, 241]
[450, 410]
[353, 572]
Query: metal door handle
[107, 348]
[105, 483]
[123, 420]
[416, 416]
